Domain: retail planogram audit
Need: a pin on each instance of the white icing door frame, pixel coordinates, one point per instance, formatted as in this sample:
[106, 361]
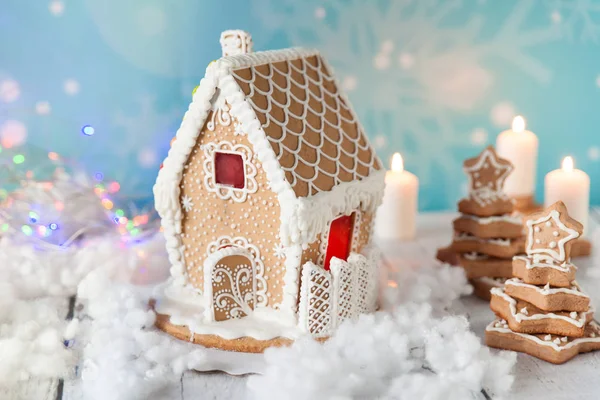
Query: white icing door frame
[237, 296]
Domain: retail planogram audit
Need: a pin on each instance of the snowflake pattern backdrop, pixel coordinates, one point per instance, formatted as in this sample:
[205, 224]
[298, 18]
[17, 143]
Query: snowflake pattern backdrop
[434, 79]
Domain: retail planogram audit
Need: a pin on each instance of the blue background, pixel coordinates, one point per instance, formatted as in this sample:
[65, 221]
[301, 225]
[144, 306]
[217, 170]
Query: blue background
[433, 79]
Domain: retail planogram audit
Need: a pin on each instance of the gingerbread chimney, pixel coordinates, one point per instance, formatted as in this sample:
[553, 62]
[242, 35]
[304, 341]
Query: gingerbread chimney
[235, 42]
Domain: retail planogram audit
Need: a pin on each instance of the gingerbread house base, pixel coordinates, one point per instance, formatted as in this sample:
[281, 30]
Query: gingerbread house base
[243, 344]
[327, 299]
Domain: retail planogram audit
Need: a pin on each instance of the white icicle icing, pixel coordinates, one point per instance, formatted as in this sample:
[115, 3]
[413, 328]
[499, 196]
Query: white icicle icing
[496, 241]
[530, 264]
[574, 290]
[550, 343]
[511, 219]
[578, 322]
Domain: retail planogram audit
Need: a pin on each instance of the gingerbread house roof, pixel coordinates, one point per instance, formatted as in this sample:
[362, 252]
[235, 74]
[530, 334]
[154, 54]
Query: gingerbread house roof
[310, 144]
[309, 124]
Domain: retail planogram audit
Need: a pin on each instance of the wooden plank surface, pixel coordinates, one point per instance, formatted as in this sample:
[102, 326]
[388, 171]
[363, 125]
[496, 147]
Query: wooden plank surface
[36, 388]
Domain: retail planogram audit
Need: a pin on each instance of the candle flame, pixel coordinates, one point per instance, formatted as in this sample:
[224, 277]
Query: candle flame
[518, 124]
[397, 163]
[567, 164]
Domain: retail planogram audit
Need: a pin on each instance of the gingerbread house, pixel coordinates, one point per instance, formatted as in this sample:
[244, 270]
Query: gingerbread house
[267, 199]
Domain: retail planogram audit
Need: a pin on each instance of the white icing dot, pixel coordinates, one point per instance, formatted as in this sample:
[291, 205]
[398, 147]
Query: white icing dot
[538, 241]
[555, 233]
[537, 229]
[547, 338]
[548, 224]
[573, 315]
[552, 244]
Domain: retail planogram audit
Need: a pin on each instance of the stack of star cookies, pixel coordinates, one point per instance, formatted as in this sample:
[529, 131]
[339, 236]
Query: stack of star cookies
[487, 234]
[542, 311]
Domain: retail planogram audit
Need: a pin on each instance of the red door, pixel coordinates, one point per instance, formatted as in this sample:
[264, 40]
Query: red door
[340, 239]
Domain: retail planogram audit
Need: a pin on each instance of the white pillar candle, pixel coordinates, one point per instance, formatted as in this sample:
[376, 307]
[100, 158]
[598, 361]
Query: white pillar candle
[396, 218]
[520, 147]
[572, 186]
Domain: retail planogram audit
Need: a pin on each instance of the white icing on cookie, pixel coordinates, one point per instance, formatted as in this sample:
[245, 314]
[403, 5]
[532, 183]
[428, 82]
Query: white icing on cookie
[497, 241]
[516, 219]
[593, 338]
[574, 290]
[578, 320]
[556, 250]
[532, 263]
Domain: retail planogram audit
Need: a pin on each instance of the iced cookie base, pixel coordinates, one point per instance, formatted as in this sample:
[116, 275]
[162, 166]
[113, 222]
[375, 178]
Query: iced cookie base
[542, 272]
[498, 247]
[524, 317]
[549, 298]
[551, 348]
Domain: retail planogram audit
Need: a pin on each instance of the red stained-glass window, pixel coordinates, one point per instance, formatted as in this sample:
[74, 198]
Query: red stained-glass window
[340, 239]
[229, 170]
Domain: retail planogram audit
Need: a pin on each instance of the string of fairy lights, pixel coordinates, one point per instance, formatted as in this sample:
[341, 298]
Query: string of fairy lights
[37, 207]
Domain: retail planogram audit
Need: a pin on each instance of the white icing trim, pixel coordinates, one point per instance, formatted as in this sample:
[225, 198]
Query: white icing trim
[530, 264]
[222, 191]
[259, 267]
[518, 316]
[166, 190]
[474, 256]
[468, 237]
[555, 216]
[548, 291]
[549, 343]
[358, 220]
[291, 284]
[496, 282]
[235, 41]
[511, 219]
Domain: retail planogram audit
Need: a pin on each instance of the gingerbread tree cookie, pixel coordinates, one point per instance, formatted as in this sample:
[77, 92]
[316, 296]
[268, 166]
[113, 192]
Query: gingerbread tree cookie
[487, 234]
[542, 311]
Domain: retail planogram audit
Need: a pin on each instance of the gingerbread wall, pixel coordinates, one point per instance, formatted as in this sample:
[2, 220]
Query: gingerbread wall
[209, 218]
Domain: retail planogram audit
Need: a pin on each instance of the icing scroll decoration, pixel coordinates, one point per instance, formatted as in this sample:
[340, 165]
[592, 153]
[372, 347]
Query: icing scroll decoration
[220, 115]
[234, 294]
[226, 192]
[224, 242]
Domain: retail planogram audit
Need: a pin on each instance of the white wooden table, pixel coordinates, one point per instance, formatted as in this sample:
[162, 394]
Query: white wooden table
[578, 379]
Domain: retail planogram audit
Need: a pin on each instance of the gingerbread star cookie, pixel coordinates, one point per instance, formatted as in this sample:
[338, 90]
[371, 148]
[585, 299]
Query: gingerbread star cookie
[555, 349]
[550, 233]
[487, 173]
